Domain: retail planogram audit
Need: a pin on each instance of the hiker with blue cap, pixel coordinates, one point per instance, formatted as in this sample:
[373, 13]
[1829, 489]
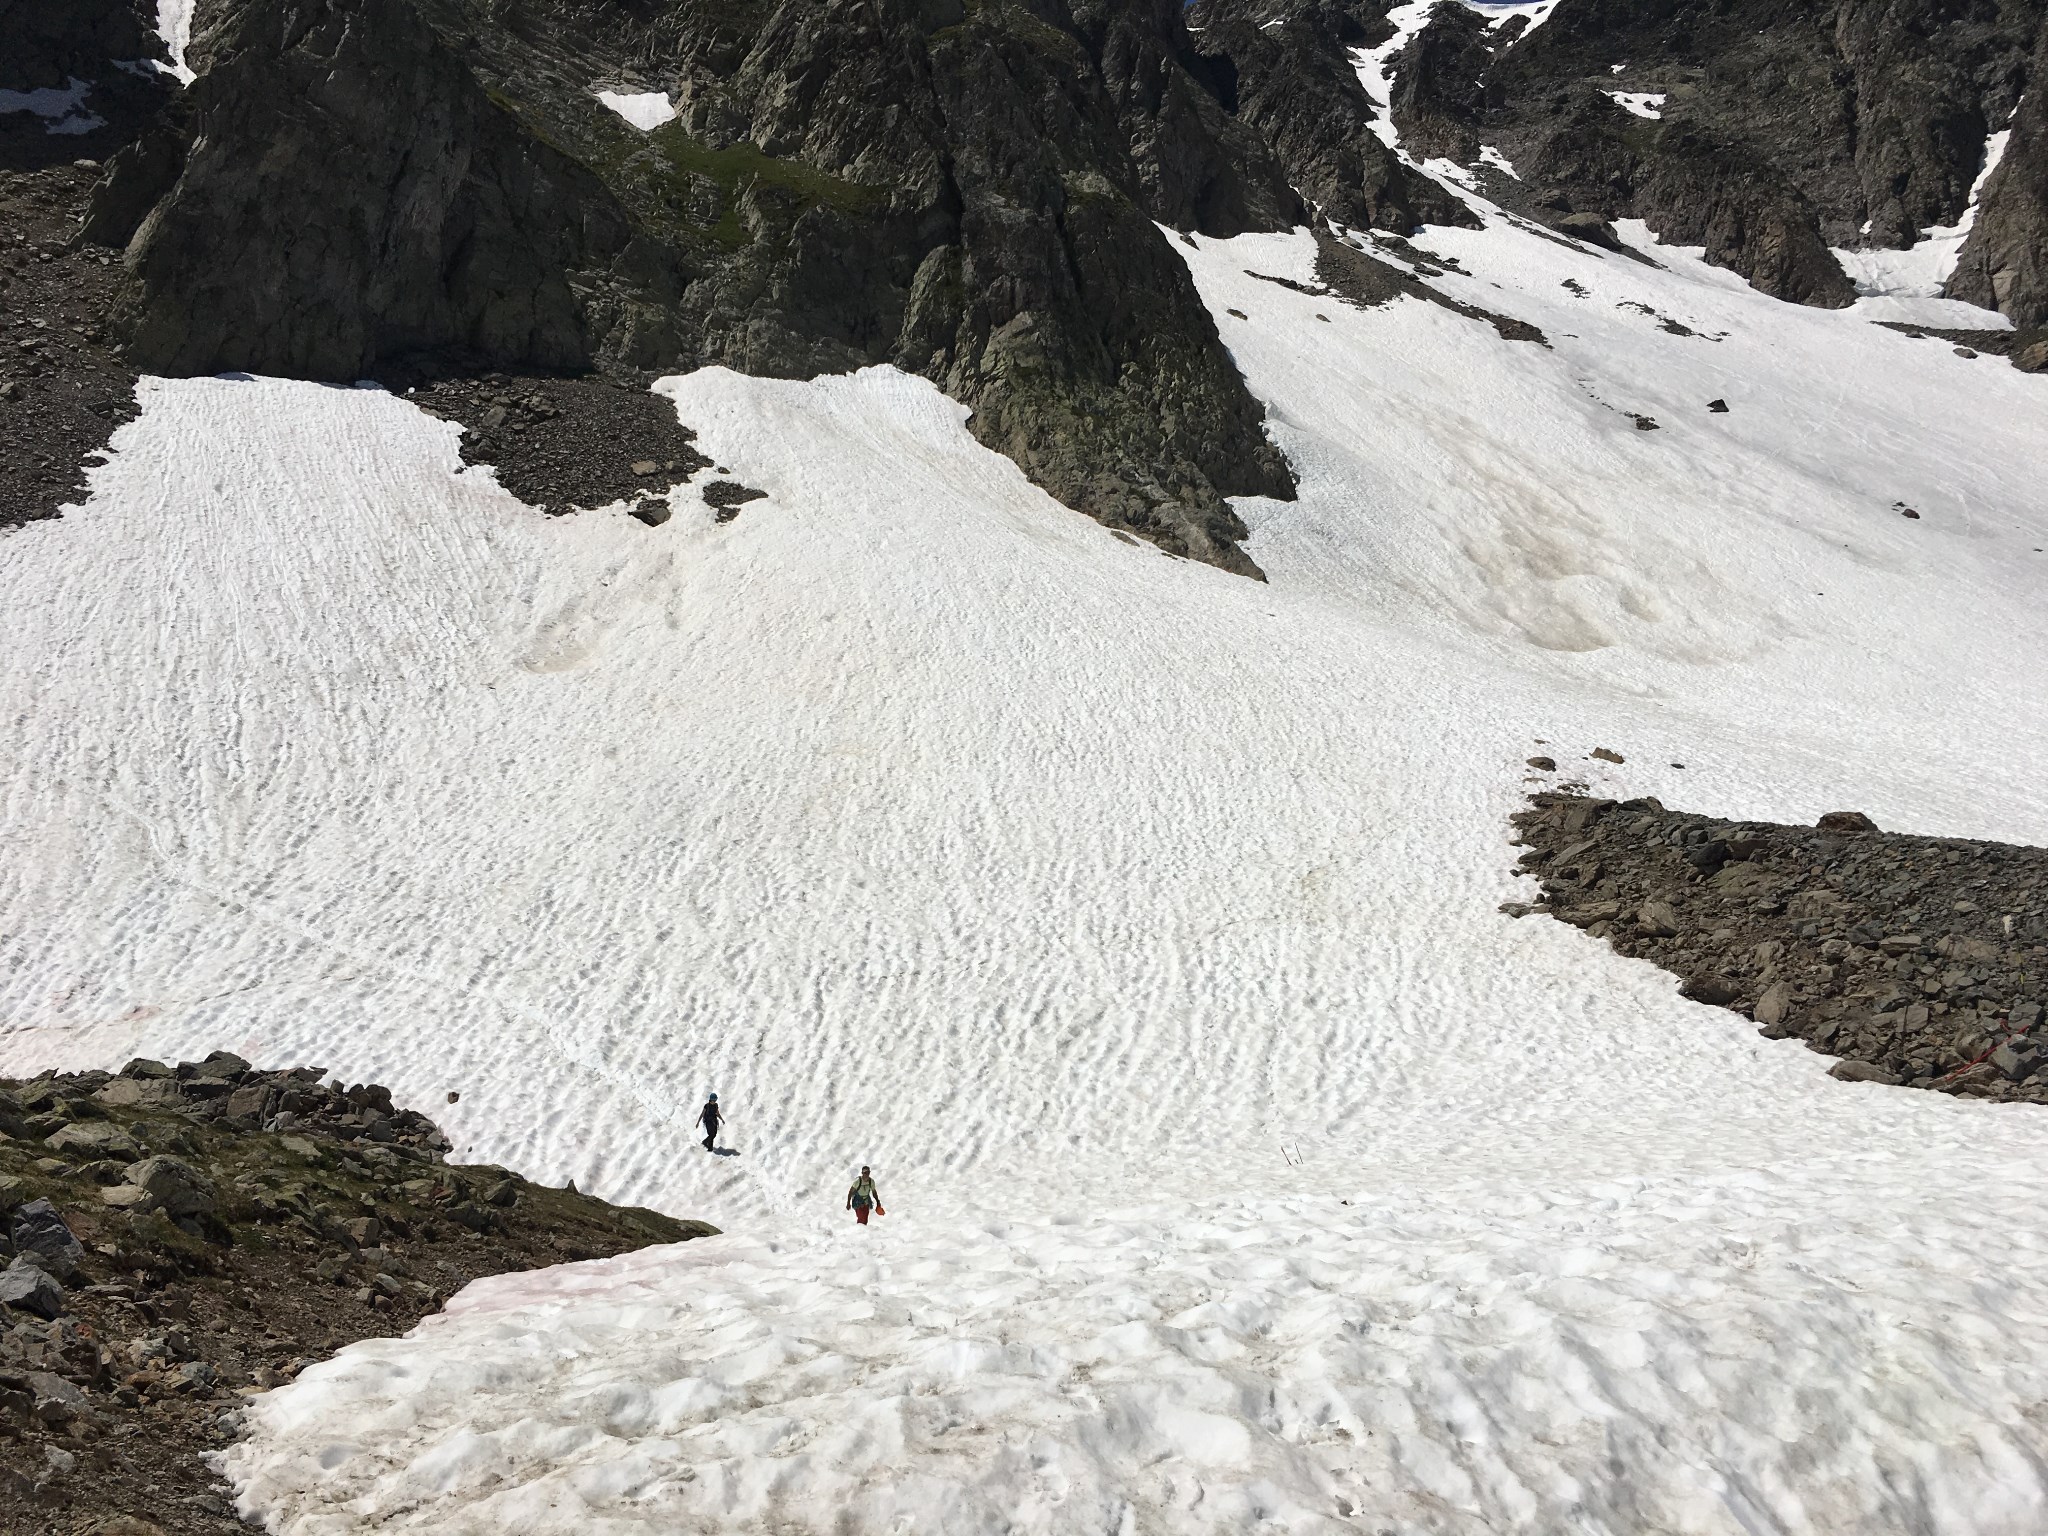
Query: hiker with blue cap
[709, 1120]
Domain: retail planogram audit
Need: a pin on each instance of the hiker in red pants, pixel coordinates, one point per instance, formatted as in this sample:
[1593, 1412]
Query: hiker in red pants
[863, 1195]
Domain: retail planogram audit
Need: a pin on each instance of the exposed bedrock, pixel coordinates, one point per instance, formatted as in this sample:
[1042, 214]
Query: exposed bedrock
[2004, 262]
[1289, 75]
[1915, 960]
[968, 191]
[1784, 129]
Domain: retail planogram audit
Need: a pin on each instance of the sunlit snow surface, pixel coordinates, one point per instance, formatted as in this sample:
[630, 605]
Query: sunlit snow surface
[643, 109]
[1246, 1170]
[174, 26]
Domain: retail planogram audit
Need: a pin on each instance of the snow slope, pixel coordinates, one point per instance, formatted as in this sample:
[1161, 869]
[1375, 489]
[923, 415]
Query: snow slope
[1246, 1169]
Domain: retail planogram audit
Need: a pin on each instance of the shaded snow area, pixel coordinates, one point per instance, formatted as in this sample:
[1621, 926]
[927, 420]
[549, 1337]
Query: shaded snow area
[643, 109]
[1907, 285]
[1246, 1170]
[174, 26]
[1641, 103]
[62, 111]
[1538, 12]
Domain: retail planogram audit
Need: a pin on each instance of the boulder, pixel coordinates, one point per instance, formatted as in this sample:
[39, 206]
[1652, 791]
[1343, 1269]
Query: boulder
[2018, 1060]
[1594, 230]
[28, 1288]
[1846, 821]
[41, 1237]
[94, 1139]
[1586, 914]
[1775, 1003]
[1717, 991]
[1659, 919]
[171, 1187]
[219, 1066]
[1850, 1071]
[143, 1067]
[1543, 764]
[251, 1101]
[130, 1092]
[57, 1400]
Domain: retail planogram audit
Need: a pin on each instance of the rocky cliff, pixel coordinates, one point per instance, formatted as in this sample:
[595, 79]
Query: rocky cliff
[979, 191]
[966, 191]
[2004, 263]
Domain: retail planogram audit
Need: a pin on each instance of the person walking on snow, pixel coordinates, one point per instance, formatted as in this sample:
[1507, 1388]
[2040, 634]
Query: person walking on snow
[863, 1195]
[708, 1118]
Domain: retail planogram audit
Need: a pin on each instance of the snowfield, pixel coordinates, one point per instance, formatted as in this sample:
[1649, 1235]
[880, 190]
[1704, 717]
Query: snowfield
[1246, 1170]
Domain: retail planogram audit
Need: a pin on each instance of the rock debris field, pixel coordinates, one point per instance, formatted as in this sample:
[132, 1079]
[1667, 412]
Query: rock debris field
[178, 1237]
[1915, 960]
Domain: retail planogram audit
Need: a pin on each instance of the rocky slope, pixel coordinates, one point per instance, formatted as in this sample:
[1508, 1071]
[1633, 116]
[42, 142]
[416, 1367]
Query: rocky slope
[972, 190]
[1782, 130]
[175, 1236]
[2004, 263]
[968, 192]
[1915, 960]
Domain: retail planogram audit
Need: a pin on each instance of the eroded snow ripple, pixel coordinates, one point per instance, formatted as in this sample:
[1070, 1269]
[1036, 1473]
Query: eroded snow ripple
[1130, 918]
[1670, 1355]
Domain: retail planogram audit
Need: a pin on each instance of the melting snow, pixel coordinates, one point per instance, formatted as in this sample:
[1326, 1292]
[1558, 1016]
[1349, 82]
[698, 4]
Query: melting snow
[174, 26]
[1135, 921]
[643, 109]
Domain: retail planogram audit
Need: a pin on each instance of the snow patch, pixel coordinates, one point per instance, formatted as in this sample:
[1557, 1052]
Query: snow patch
[1491, 155]
[1497, 15]
[174, 26]
[1641, 103]
[62, 109]
[645, 110]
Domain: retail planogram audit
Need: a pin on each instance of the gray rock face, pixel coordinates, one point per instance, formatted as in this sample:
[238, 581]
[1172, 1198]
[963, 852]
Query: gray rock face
[167, 1185]
[28, 1288]
[1290, 78]
[353, 191]
[966, 192]
[2003, 264]
[1785, 128]
[41, 1238]
[48, 45]
[93, 1139]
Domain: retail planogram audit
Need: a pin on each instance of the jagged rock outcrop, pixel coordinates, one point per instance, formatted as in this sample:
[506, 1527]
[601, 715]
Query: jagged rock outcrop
[48, 46]
[1784, 129]
[173, 1237]
[1290, 78]
[2004, 262]
[103, 50]
[968, 192]
[1439, 90]
[393, 206]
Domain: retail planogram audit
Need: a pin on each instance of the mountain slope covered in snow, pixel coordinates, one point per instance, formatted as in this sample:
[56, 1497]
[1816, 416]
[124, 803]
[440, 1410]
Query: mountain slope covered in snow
[1246, 1168]
[1123, 914]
